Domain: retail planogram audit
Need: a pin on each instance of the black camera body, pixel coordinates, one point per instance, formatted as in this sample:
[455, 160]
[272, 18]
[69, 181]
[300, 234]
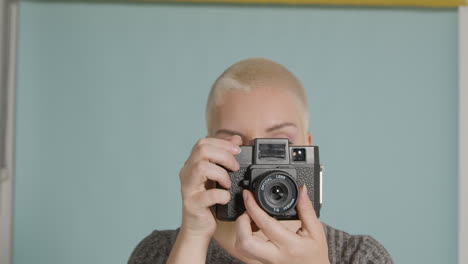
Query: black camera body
[273, 171]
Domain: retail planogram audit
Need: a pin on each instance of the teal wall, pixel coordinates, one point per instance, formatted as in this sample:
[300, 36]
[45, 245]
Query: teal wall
[111, 98]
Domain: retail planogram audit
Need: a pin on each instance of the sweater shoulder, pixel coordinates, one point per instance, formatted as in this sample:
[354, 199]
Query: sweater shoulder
[346, 248]
[154, 248]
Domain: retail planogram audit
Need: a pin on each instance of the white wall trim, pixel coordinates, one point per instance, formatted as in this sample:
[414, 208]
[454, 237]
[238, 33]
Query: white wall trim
[8, 36]
[463, 136]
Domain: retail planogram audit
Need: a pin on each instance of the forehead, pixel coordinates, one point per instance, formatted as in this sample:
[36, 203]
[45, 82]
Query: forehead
[258, 109]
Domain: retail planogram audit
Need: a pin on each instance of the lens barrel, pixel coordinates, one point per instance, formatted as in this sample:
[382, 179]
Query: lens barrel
[276, 192]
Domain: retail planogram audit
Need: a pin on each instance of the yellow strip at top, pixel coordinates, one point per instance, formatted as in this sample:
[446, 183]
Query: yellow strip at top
[415, 3]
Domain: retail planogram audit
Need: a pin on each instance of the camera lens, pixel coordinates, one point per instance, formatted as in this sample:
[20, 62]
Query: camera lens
[276, 192]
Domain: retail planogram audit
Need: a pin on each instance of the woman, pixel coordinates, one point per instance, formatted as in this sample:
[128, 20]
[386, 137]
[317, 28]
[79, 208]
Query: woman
[254, 98]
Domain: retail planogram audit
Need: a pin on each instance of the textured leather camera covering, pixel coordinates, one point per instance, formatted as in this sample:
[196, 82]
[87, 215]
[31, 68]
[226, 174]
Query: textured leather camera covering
[308, 176]
[234, 207]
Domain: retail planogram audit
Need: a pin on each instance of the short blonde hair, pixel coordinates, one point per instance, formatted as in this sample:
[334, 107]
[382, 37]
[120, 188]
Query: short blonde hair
[249, 74]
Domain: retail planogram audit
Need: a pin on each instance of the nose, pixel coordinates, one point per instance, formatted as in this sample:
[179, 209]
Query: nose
[249, 141]
[248, 136]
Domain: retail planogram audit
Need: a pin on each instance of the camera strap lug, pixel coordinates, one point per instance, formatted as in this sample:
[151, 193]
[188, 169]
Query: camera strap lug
[321, 180]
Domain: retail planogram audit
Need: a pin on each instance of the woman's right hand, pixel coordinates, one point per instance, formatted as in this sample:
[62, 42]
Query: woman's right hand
[205, 163]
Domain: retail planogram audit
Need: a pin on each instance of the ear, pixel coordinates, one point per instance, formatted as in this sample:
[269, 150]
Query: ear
[309, 138]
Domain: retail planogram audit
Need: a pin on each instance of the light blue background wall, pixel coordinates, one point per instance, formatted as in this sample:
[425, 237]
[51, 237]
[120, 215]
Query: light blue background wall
[111, 98]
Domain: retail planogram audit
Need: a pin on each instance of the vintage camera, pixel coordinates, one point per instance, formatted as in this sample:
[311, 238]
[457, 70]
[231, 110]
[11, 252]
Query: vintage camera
[273, 171]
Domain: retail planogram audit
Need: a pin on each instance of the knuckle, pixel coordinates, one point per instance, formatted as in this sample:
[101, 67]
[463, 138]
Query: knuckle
[198, 168]
[296, 250]
[185, 190]
[183, 177]
[203, 151]
[242, 244]
[181, 173]
[201, 142]
[186, 204]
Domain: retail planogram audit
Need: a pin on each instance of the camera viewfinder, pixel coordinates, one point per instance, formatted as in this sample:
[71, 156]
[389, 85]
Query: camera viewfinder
[299, 154]
[272, 151]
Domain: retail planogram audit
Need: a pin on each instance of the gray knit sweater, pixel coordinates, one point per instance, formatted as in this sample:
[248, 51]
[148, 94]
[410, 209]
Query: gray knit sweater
[342, 248]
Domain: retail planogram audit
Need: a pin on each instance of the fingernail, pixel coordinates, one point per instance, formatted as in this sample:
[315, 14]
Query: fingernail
[245, 195]
[304, 189]
[236, 149]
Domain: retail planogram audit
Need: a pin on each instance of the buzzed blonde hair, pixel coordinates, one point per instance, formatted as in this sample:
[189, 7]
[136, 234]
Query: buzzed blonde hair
[252, 73]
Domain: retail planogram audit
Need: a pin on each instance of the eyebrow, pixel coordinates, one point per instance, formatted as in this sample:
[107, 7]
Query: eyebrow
[279, 126]
[229, 132]
[270, 129]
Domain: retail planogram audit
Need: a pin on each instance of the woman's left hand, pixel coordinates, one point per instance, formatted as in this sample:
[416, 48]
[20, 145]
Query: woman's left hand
[307, 245]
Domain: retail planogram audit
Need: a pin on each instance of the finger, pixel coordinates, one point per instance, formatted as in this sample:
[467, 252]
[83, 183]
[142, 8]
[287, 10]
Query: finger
[204, 170]
[211, 197]
[236, 139]
[305, 210]
[216, 155]
[251, 245]
[221, 143]
[269, 226]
